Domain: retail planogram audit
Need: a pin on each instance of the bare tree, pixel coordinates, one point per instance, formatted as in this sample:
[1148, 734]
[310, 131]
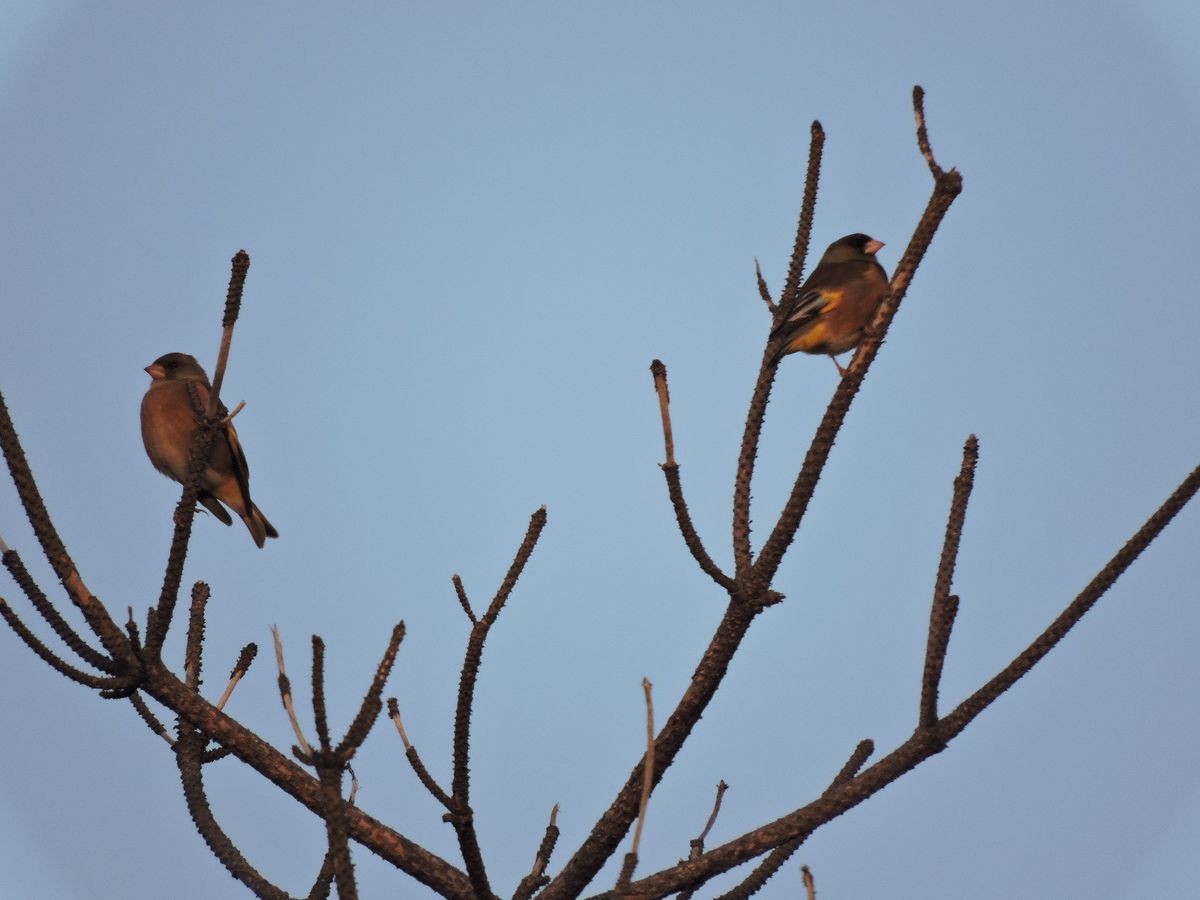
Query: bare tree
[129, 664]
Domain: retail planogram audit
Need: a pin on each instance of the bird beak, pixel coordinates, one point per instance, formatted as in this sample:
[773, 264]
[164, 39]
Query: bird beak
[156, 372]
[874, 246]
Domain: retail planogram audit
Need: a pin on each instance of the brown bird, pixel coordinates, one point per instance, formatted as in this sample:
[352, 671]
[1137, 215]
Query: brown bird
[835, 305]
[168, 428]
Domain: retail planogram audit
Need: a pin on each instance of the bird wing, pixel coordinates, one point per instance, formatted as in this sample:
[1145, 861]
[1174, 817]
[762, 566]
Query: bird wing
[241, 469]
[808, 307]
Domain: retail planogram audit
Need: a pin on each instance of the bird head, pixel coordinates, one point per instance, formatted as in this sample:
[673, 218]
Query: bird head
[851, 247]
[176, 367]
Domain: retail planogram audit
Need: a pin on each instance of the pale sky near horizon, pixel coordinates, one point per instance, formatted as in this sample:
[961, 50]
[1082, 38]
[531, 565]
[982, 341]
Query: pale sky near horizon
[471, 228]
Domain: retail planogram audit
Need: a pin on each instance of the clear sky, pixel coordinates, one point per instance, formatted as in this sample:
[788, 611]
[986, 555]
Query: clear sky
[472, 226]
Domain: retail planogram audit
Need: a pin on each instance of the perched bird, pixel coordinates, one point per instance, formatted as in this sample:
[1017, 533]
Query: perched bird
[168, 427]
[835, 305]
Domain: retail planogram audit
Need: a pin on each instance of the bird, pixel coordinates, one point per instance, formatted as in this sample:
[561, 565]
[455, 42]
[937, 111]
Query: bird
[836, 303]
[168, 428]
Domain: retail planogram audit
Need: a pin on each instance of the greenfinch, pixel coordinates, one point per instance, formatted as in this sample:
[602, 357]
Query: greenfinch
[168, 428]
[835, 305]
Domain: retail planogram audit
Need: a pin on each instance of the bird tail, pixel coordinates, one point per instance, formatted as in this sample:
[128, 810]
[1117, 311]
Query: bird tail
[260, 529]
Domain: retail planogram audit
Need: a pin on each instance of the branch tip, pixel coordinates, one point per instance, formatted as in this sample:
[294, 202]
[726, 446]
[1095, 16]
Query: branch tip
[463, 601]
[763, 290]
[285, 693]
[647, 769]
[810, 886]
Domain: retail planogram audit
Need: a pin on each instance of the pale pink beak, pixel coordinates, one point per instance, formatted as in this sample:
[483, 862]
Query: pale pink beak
[156, 372]
[874, 246]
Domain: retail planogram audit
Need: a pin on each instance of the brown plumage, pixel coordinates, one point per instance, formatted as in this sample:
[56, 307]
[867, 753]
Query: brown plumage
[168, 427]
[835, 305]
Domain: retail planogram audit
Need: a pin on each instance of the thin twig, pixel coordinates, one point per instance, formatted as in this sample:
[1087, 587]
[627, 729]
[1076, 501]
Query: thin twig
[239, 266]
[963, 485]
[320, 715]
[195, 636]
[659, 371]
[923, 134]
[647, 786]
[942, 612]
[463, 600]
[285, 693]
[648, 768]
[944, 606]
[147, 715]
[414, 759]
[245, 658]
[697, 843]
[229, 418]
[371, 706]
[537, 875]
[675, 488]
[856, 761]
[763, 290]
[810, 886]
[808, 208]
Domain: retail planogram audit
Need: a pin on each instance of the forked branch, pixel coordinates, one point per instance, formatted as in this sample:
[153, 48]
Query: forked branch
[461, 815]
[925, 742]
[946, 188]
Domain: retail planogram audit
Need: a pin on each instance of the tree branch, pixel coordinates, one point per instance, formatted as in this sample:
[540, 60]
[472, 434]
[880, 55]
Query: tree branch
[195, 636]
[675, 488]
[426, 867]
[414, 759]
[613, 824]
[536, 877]
[371, 706]
[946, 188]
[188, 750]
[944, 607]
[111, 637]
[697, 843]
[109, 683]
[239, 266]
[631, 857]
[462, 816]
[68, 635]
[924, 743]
[743, 560]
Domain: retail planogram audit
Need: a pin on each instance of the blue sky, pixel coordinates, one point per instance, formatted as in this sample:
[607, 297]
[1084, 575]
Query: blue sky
[471, 229]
